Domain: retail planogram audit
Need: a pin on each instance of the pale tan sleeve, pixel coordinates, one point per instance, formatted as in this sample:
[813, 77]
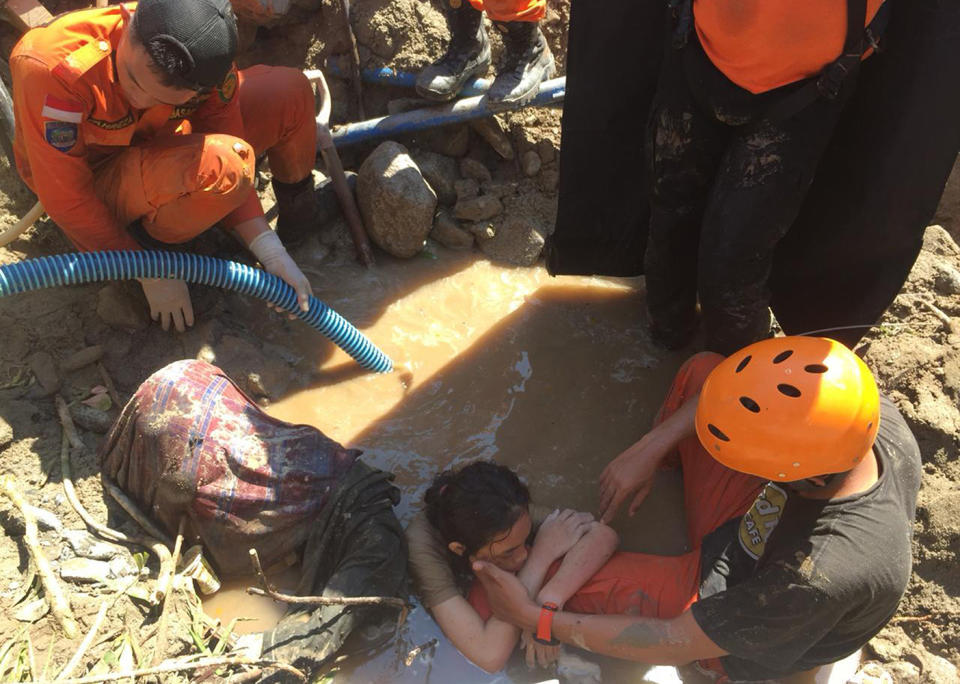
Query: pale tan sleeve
[429, 563]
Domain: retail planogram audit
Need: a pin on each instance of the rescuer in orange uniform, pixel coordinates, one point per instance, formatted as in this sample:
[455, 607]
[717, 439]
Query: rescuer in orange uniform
[527, 59]
[134, 127]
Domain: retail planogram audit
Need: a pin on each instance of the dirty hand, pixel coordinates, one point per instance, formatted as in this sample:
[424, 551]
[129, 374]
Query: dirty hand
[273, 255]
[537, 652]
[560, 531]
[631, 474]
[169, 300]
[508, 598]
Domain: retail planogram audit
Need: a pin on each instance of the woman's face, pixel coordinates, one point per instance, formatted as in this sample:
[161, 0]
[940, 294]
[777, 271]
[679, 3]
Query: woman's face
[508, 550]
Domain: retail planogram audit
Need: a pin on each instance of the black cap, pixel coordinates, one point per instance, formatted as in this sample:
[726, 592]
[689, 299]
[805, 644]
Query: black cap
[205, 30]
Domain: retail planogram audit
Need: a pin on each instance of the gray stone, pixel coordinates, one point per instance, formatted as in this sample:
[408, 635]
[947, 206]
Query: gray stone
[546, 150]
[90, 418]
[45, 371]
[499, 189]
[32, 611]
[448, 233]
[466, 188]
[450, 141]
[396, 202]
[478, 208]
[901, 671]
[6, 433]
[86, 571]
[531, 163]
[82, 358]
[492, 132]
[482, 231]
[46, 520]
[471, 168]
[549, 180]
[937, 240]
[440, 172]
[517, 242]
[947, 279]
[117, 308]
[86, 545]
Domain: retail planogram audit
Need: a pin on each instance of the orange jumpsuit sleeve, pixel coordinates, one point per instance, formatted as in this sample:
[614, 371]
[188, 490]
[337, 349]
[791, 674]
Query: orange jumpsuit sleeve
[220, 113]
[60, 174]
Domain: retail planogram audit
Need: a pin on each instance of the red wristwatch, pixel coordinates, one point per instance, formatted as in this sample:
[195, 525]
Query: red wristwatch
[544, 633]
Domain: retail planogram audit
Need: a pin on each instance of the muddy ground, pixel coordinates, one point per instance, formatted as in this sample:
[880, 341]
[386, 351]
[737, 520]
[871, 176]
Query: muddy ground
[915, 354]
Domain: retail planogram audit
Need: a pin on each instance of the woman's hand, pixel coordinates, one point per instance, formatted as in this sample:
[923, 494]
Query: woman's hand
[537, 653]
[560, 531]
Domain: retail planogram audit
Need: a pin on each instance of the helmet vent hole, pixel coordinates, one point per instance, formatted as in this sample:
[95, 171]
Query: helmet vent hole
[743, 364]
[816, 368]
[788, 390]
[783, 356]
[717, 432]
[750, 404]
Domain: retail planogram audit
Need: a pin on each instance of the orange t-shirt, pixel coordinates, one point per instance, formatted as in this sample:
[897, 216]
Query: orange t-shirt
[764, 44]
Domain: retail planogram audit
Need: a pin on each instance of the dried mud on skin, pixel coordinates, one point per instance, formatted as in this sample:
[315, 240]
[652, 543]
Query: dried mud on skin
[916, 359]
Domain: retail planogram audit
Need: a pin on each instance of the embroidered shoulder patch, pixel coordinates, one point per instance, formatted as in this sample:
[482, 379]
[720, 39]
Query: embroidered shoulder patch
[228, 88]
[762, 518]
[61, 135]
[62, 110]
[122, 122]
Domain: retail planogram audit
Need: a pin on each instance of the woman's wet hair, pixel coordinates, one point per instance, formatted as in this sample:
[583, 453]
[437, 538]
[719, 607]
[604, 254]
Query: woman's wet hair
[476, 503]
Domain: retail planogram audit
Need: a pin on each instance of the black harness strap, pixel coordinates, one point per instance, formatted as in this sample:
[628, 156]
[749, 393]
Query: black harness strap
[829, 83]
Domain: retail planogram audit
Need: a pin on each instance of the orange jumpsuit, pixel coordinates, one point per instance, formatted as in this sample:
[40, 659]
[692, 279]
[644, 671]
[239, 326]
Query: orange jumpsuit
[98, 164]
[509, 10]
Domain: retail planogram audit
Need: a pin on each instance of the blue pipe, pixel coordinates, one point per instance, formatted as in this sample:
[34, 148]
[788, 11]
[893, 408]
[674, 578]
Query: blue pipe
[551, 93]
[401, 79]
[87, 267]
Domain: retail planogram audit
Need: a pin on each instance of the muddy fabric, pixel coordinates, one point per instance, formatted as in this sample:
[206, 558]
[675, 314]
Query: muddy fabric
[727, 185]
[798, 583]
[191, 443]
[861, 224]
[357, 548]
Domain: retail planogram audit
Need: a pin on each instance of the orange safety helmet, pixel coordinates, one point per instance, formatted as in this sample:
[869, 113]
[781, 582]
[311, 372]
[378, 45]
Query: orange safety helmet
[789, 408]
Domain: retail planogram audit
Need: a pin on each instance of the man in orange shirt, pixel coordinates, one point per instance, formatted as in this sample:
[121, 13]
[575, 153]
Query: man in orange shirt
[748, 98]
[527, 62]
[134, 127]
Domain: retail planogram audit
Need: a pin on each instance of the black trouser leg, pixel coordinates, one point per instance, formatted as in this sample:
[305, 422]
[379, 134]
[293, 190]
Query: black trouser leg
[759, 189]
[684, 148]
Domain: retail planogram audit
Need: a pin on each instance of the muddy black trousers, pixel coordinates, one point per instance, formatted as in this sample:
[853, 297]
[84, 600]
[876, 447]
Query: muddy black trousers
[727, 183]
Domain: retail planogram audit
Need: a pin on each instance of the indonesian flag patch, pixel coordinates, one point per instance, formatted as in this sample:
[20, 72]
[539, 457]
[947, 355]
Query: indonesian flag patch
[62, 110]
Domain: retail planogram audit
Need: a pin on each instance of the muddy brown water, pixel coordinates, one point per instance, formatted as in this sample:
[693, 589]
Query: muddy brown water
[551, 376]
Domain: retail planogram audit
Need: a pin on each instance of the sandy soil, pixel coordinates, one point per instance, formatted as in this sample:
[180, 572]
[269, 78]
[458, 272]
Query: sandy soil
[916, 356]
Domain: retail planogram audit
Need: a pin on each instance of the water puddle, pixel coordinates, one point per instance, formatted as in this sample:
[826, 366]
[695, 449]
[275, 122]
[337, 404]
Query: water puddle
[552, 376]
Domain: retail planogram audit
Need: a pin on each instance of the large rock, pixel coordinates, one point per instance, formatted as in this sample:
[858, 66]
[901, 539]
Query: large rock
[45, 371]
[396, 202]
[450, 141]
[517, 242]
[6, 432]
[440, 172]
[448, 233]
[478, 208]
[471, 168]
[490, 130]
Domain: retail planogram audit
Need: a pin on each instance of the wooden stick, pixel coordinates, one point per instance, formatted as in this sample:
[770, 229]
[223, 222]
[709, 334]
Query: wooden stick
[411, 656]
[85, 645]
[269, 591]
[66, 422]
[181, 666]
[51, 587]
[108, 383]
[66, 476]
[354, 60]
[134, 511]
[164, 611]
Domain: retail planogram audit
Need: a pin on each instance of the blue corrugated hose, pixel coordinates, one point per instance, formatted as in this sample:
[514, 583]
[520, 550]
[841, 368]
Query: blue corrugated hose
[87, 267]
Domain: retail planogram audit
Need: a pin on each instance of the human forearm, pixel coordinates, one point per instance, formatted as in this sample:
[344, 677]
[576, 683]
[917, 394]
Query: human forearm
[533, 573]
[580, 564]
[647, 640]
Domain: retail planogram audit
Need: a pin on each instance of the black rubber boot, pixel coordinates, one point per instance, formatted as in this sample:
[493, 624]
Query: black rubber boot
[528, 62]
[467, 56]
[302, 208]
